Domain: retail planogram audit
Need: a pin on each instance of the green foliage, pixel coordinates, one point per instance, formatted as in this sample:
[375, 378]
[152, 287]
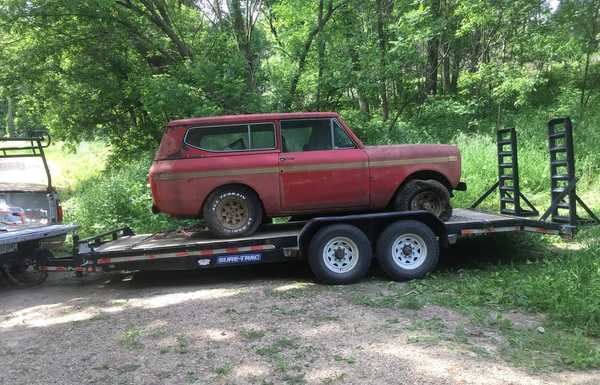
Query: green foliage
[560, 283]
[116, 197]
[399, 71]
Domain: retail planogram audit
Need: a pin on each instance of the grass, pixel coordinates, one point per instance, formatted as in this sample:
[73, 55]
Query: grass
[251, 334]
[130, 338]
[71, 166]
[379, 300]
[182, 344]
[550, 279]
[225, 369]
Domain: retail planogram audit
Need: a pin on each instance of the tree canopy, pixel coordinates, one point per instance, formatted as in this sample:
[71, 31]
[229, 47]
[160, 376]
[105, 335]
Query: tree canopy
[120, 69]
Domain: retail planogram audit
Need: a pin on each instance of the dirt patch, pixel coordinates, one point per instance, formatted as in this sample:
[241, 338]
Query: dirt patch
[233, 327]
[523, 320]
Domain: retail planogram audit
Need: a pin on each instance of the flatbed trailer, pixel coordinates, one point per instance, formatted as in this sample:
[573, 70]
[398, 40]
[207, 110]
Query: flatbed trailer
[339, 249]
[122, 250]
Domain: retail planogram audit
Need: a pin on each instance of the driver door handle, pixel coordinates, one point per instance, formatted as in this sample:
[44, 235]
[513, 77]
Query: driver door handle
[287, 158]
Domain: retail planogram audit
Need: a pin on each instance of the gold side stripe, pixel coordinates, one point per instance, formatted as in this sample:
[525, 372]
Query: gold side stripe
[405, 162]
[205, 174]
[324, 167]
[303, 168]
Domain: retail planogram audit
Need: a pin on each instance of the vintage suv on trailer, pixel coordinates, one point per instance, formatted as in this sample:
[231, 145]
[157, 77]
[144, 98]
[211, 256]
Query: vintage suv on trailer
[236, 171]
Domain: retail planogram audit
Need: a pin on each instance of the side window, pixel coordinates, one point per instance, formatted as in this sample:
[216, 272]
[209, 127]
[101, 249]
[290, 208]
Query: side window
[340, 137]
[241, 137]
[262, 136]
[306, 135]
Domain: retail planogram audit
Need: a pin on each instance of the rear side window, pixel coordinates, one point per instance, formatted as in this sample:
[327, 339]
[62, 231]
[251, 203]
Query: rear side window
[239, 137]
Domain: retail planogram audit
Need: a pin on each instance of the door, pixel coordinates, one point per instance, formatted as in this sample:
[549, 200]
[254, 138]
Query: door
[321, 168]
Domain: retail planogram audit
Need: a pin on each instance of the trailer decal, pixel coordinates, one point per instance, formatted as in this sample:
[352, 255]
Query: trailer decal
[243, 258]
[201, 253]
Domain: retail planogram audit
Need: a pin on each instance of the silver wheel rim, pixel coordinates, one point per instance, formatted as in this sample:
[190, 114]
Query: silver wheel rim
[409, 251]
[340, 255]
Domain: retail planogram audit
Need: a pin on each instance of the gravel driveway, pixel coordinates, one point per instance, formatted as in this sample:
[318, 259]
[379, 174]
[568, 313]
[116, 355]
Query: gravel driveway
[240, 326]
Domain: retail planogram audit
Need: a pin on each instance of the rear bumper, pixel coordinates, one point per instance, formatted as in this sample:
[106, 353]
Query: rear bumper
[461, 186]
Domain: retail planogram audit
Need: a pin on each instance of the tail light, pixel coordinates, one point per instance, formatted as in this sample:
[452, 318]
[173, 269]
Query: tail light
[59, 213]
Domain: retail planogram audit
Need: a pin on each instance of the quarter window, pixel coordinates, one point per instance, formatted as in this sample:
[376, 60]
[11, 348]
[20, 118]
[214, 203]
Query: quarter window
[340, 137]
[241, 137]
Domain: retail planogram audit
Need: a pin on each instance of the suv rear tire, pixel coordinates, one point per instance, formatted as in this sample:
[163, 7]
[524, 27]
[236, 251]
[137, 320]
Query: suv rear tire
[429, 195]
[232, 211]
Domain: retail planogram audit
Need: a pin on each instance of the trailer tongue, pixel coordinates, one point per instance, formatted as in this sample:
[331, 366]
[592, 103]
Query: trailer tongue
[339, 249]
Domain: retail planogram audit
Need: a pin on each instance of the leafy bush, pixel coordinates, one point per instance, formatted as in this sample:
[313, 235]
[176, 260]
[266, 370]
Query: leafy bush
[116, 197]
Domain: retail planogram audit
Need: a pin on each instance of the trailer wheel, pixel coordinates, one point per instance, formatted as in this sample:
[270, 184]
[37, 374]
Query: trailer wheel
[339, 254]
[407, 250]
[232, 211]
[26, 271]
[429, 195]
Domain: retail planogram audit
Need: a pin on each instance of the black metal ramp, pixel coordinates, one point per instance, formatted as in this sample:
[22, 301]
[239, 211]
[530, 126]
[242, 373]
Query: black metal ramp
[508, 177]
[563, 181]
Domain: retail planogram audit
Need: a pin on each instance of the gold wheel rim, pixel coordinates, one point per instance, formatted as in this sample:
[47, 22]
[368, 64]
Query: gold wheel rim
[428, 201]
[232, 213]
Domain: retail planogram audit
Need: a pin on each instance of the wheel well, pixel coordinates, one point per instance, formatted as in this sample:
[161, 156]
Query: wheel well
[233, 185]
[423, 175]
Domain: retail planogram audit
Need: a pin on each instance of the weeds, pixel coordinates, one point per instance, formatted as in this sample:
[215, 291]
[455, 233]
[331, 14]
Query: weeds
[225, 369]
[182, 344]
[251, 334]
[393, 301]
[130, 338]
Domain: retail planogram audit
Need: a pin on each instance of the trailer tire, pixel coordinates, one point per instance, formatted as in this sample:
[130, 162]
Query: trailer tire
[232, 211]
[407, 250]
[429, 195]
[26, 272]
[339, 254]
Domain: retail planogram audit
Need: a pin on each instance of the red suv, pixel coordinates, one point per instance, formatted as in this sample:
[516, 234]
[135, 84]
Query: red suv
[237, 171]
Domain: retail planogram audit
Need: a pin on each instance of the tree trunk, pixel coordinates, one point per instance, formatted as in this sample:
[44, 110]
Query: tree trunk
[447, 77]
[11, 129]
[363, 102]
[591, 48]
[303, 55]
[433, 47]
[381, 16]
[455, 68]
[320, 59]
[243, 36]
